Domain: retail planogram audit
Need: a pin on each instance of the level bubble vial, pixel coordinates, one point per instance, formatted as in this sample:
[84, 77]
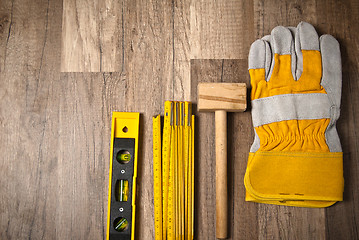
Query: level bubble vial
[120, 224]
[121, 191]
[123, 156]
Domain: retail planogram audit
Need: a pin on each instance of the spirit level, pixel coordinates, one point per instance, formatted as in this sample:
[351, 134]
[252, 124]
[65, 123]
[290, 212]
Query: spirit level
[122, 176]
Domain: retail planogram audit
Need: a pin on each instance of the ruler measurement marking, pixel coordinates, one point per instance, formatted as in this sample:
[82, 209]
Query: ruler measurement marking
[157, 175]
[176, 167]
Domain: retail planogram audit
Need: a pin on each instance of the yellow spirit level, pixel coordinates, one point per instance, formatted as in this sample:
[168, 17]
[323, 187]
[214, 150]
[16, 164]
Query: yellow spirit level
[122, 177]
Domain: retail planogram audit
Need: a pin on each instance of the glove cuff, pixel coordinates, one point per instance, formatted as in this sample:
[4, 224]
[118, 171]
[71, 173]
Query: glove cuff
[307, 179]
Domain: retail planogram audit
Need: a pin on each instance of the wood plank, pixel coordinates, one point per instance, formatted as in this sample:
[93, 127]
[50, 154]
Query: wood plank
[149, 55]
[28, 118]
[111, 35]
[221, 29]
[85, 111]
[241, 215]
[80, 37]
[149, 81]
[181, 50]
[83, 156]
[205, 200]
[269, 14]
[345, 214]
[240, 134]
[282, 222]
[92, 36]
[6, 20]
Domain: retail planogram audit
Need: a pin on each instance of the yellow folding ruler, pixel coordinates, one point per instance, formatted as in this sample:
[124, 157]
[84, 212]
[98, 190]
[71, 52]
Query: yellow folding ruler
[122, 177]
[173, 172]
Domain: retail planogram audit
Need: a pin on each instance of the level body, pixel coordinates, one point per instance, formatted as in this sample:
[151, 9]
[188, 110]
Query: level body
[122, 176]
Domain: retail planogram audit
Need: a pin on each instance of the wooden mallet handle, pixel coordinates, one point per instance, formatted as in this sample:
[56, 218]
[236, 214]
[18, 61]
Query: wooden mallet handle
[221, 174]
[222, 98]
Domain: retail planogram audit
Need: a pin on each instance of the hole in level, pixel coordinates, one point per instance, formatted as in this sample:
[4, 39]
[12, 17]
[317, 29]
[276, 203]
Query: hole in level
[121, 190]
[125, 129]
[123, 156]
[120, 224]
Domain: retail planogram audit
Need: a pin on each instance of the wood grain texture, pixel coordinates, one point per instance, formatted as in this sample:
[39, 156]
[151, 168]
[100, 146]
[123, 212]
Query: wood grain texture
[82, 121]
[80, 37]
[220, 118]
[55, 127]
[148, 73]
[269, 14]
[181, 50]
[221, 29]
[92, 36]
[30, 47]
[6, 18]
[346, 213]
[231, 97]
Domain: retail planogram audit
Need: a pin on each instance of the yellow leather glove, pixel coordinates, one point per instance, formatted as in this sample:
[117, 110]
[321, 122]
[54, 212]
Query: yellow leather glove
[296, 157]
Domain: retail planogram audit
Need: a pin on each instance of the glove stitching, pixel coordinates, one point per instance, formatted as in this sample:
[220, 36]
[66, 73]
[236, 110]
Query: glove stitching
[290, 95]
[298, 118]
[299, 154]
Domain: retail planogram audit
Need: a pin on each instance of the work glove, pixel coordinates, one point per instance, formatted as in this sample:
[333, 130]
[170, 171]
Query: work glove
[296, 158]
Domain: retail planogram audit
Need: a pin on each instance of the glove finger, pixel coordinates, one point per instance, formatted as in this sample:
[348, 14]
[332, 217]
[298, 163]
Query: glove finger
[332, 83]
[307, 37]
[268, 66]
[332, 68]
[256, 62]
[306, 42]
[266, 38]
[257, 55]
[281, 42]
[293, 31]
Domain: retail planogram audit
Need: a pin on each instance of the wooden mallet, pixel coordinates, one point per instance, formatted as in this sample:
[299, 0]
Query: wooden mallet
[222, 98]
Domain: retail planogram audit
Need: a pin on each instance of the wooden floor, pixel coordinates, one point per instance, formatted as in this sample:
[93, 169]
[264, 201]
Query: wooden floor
[66, 65]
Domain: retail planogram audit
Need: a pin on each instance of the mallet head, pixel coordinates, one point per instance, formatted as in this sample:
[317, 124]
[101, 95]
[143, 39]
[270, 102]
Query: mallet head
[229, 97]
